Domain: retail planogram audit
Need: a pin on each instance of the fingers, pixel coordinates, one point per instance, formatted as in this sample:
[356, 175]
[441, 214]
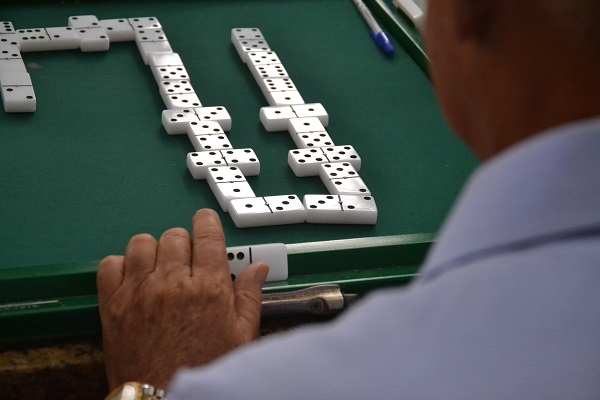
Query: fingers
[109, 277]
[209, 258]
[174, 252]
[140, 257]
[248, 296]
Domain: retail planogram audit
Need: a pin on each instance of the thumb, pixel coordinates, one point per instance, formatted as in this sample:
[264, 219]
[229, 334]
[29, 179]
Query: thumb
[248, 296]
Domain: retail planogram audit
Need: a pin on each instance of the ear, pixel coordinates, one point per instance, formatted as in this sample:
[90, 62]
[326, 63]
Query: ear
[474, 17]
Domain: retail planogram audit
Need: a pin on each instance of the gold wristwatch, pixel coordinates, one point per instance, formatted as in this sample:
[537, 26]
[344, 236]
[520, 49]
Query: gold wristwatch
[136, 391]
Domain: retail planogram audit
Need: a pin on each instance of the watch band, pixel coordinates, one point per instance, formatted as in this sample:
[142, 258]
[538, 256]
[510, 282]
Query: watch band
[136, 391]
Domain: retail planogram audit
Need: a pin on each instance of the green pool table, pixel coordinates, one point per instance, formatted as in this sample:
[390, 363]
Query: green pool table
[93, 165]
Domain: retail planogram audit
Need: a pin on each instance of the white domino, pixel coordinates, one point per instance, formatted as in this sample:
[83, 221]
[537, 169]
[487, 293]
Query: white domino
[164, 60]
[216, 113]
[305, 162]
[204, 128]
[62, 38]
[18, 98]
[273, 254]
[225, 174]
[175, 86]
[272, 87]
[93, 39]
[17, 92]
[305, 140]
[186, 100]
[343, 153]
[339, 170]
[118, 30]
[340, 209]
[9, 51]
[312, 110]
[322, 208]
[342, 178]
[15, 79]
[244, 46]
[359, 209]
[210, 142]
[288, 97]
[226, 190]
[412, 11]
[176, 121]
[348, 186]
[151, 41]
[267, 211]
[6, 27]
[286, 209]
[150, 35]
[238, 34]
[256, 58]
[92, 36]
[276, 118]
[9, 39]
[268, 71]
[245, 159]
[247, 213]
[83, 21]
[268, 85]
[144, 22]
[248, 45]
[199, 162]
[12, 65]
[166, 72]
[48, 39]
[149, 48]
[35, 39]
[305, 124]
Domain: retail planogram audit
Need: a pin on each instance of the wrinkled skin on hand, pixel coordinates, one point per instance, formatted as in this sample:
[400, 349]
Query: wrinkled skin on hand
[170, 303]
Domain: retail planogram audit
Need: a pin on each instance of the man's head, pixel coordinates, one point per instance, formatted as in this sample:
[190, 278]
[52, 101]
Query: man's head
[506, 69]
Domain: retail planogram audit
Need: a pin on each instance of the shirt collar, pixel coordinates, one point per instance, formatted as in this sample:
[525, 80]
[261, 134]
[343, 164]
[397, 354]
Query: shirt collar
[549, 183]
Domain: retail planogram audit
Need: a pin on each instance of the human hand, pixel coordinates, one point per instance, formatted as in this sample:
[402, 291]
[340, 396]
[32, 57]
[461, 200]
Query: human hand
[171, 303]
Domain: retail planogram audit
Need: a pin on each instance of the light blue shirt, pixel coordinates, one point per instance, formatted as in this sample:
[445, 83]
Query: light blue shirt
[507, 306]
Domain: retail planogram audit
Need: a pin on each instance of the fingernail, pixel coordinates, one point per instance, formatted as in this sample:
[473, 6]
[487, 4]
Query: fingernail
[205, 210]
[260, 275]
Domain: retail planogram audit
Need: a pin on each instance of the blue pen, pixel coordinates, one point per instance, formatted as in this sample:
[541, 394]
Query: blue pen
[379, 36]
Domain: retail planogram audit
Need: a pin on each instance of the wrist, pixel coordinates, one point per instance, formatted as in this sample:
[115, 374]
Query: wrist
[137, 391]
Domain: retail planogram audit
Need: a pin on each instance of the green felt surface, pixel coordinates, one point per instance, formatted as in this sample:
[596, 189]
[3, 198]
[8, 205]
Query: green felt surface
[93, 165]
